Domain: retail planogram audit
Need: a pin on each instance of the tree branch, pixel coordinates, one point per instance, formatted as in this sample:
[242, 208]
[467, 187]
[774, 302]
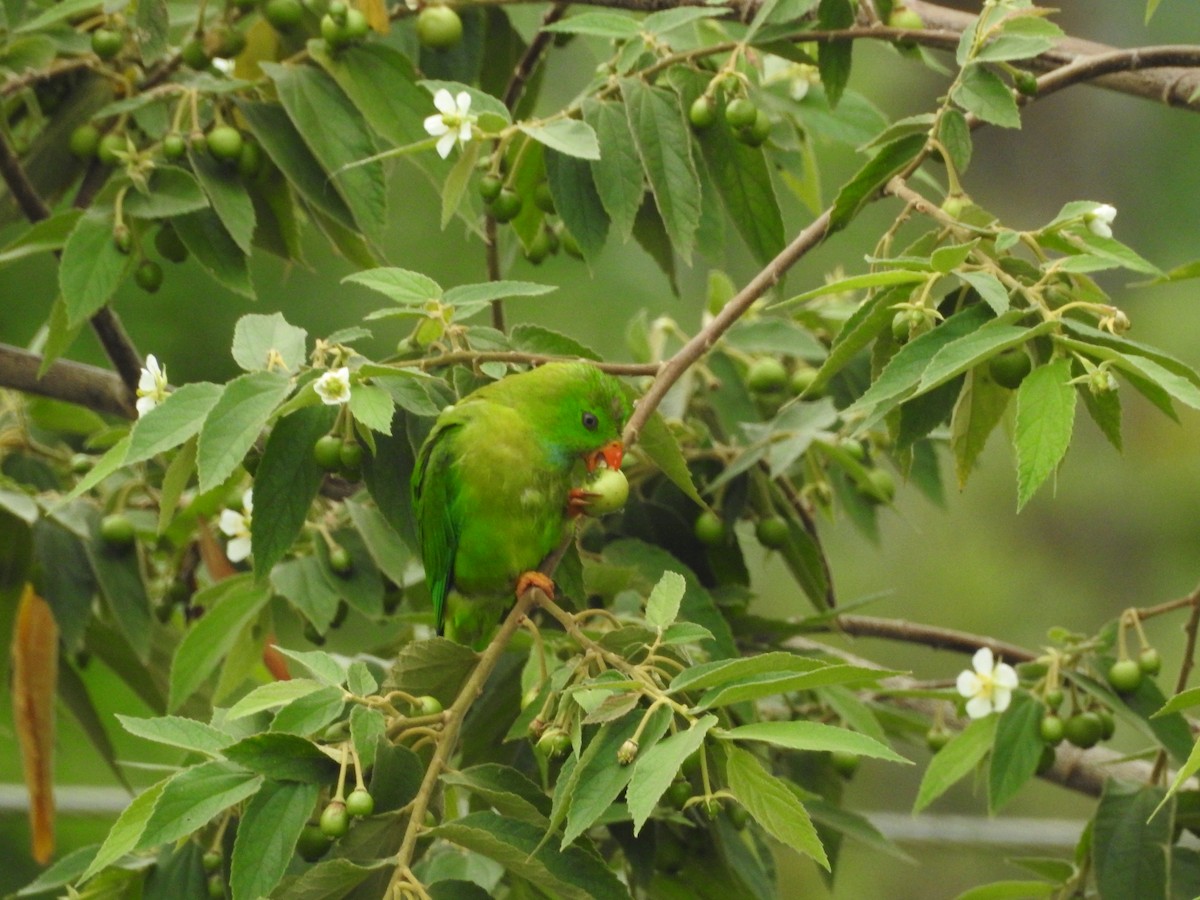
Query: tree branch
[97, 389]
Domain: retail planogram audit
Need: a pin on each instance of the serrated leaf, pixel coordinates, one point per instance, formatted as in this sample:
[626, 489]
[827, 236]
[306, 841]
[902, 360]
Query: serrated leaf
[228, 607]
[578, 200]
[271, 695]
[367, 728]
[619, 182]
[193, 797]
[663, 143]
[1010, 890]
[228, 196]
[770, 683]
[282, 756]
[372, 407]
[723, 671]
[326, 667]
[1128, 841]
[310, 714]
[955, 136]
[172, 191]
[1017, 749]
[662, 606]
[172, 422]
[659, 443]
[261, 342]
[177, 731]
[597, 24]
[301, 582]
[1019, 37]
[858, 191]
[235, 422]
[1044, 422]
[267, 835]
[656, 768]
[568, 136]
[124, 834]
[834, 57]
[982, 92]
[91, 267]
[993, 292]
[813, 736]
[485, 292]
[331, 879]
[955, 760]
[504, 789]
[773, 805]
[980, 407]
[399, 285]
[437, 667]
[214, 250]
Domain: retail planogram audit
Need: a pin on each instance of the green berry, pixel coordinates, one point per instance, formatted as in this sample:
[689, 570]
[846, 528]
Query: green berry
[333, 31]
[356, 26]
[1149, 661]
[709, 528]
[678, 793]
[1046, 760]
[539, 247]
[607, 492]
[211, 861]
[360, 803]
[215, 886]
[230, 42]
[84, 141]
[107, 43]
[1052, 729]
[439, 27]
[490, 187]
[123, 238]
[1053, 698]
[570, 245]
[168, 244]
[882, 485]
[335, 821]
[250, 160]
[937, 738]
[351, 456]
[543, 199]
[1008, 369]
[554, 742]
[1025, 82]
[739, 818]
[148, 276]
[772, 532]
[844, 762]
[195, 55]
[1084, 729]
[903, 17]
[702, 113]
[327, 452]
[1125, 675]
[116, 531]
[283, 15]
[740, 113]
[110, 145]
[313, 843]
[174, 146]
[802, 379]
[225, 143]
[766, 375]
[756, 133]
[340, 560]
[506, 206]
[428, 705]
[1108, 725]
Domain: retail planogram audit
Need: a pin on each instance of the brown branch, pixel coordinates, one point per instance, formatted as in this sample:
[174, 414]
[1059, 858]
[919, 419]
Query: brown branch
[458, 357]
[32, 206]
[928, 635]
[97, 389]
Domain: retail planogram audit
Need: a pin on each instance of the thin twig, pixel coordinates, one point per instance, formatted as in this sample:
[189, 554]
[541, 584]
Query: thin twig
[1185, 669]
[97, 389]
[928, 635]
[33, 207]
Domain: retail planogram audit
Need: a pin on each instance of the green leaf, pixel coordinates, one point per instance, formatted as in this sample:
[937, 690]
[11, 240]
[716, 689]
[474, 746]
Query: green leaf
[437, 667]
[505, 790]
[664, 145]
[172, 191]
[982, 92]
[662, 606]
[537, 339]
[125, 833]
[771, 683]
[773, 805]
[574, 186]
[367, 728]
[993, 292]
[45, 236]
[120, 581]
[383, 542]
[331, 879]
[1017, 749]
[235, 422]
[1045, 419]
[301, 581]
[859, 190]
[955, 136]
[619, 181]
[270, 695]
[955, 760]
[659, 443]
[568, 136]
[217, 253]
[597, 24]
[191, 798]
[172, 422]
[372, 407]
[725, 671]
[399, 285]
[485, 292]
[667, 20]
[282, 756]
[227, 192]
[313, 100]
[267, 835]
[812, 736]
[228, 607]
[1010, 890]
[261, 342]
[656, 768]
[980, 407]
[176, 731]
[1181, 701]
[91, 267]
[1128, 841]
[1019, 37]
[572, 874]
[834, 57]
[326, 667]
[882, 278]
[971, 349]
[310, 714]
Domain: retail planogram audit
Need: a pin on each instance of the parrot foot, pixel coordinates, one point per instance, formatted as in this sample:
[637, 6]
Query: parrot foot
[578, 500]
[535, 579]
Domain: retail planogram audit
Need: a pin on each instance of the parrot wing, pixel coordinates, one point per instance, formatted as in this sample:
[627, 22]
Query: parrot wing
[434, 487]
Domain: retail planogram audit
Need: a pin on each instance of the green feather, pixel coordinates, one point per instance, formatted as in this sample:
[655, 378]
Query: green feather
[491, 484]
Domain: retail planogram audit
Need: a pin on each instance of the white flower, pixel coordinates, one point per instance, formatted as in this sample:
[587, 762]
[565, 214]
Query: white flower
[236, 525]
[989, 687]
[1099, 220]
[152, 386]
[452, 123]
[334, 387]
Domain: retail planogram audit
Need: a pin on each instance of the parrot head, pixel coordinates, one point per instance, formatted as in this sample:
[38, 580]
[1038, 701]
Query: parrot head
[583, 411]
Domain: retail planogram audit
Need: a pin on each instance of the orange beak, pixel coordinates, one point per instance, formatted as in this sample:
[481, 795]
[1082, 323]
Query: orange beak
[612, 453]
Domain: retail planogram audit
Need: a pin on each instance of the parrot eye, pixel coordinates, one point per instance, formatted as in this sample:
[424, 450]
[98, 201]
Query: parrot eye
[590, 422]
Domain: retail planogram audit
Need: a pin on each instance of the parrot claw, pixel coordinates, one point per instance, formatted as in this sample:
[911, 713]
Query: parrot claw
[578, 501]
[529, 580]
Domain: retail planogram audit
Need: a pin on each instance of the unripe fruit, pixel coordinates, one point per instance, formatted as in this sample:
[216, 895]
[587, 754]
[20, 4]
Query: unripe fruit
[107, 43]
[703, 113]
[766, 375]
[250, 159]
[607, 491]
[908, 323]
[340, 560]
[539, 248]
[428, 705]
[108, 148]
[439, 27]
[351, 455]
[211, 861]
[1149, 661]
[937, 738]
[756, 133]
[678, 793]
[356, 26]
[123, 238]
[883, 486]
[1108, 725]
[1125, 675]
[1025, 82]
[903, 17]
[954, 205]
[553, 742]
[230, 42]
[740, 113]
[489, 187]
[215, 886]
[1084, 729]
[1052, 729]
[570, 245]
[327, 452]
[116, 531]
[360, 803]
[313, 843]
[1008, 369]
[709, 529]
[168, 244]
[283, 14]
[543, 199]
[148, 276]
[195, 55]
[739, 818]
[845, 763]
[802, 379]
[174, 146]
[772, 532]
[506, 206]
[335, 821]
[84, 141]
[1053, 698]
[225, 143]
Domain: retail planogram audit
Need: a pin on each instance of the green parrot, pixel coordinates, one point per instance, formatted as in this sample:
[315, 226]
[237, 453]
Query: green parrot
[494, 487]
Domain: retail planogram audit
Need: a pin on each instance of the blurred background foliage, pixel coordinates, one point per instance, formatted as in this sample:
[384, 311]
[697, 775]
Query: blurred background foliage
[1116, 531]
